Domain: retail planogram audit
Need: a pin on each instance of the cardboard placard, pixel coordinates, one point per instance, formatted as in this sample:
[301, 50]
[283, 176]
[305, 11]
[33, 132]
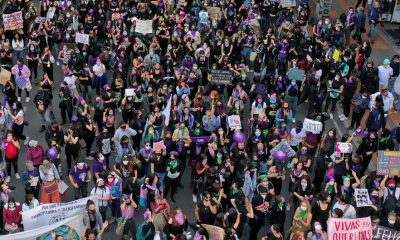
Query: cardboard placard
[13, 21]
[5, 76]
[82, 38]
[342, 147]
[312, 126]
[234, 122]
[388, 163]
[296, 74]
[361, 197]
[221, 77]
[342, 228]
[214, 12]
[50, 13]
[158, 146]
[144, 26]
[214, 233]
[129, 92]
[284, 146]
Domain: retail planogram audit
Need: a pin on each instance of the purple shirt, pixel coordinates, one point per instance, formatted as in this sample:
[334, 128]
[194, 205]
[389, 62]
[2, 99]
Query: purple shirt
[80, 175]
[98, 167]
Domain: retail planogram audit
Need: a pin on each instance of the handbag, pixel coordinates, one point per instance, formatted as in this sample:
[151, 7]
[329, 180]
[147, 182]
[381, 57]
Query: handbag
[119, 231]
[51, 187]
[82, 143]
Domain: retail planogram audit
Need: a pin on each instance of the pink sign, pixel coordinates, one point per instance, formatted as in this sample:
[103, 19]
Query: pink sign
[158, 146]
[344, 229]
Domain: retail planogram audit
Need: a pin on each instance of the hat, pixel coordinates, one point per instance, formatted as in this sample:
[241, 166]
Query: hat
[390, 182]
[33, 143]
[272, 99]
[386, 61]
[74, 118]
[99, 180]
[106, 86]
[174, 153]
[262, 177]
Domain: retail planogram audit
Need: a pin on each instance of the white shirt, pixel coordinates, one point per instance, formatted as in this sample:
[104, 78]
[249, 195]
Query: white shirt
[258, 110]
[384, 74]
[296, 138]
[101, 192]
[350, 212]
[70, 81]
[388, 101]
[99, 69]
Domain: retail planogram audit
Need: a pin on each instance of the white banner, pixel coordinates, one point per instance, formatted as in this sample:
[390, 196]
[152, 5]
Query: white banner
[48, 214]
[312, 126]
[167, 111]
[73, 225]
[144, 26]
[82, 38]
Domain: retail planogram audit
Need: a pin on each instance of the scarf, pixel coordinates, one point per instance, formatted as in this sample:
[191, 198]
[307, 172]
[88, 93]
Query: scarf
[173, 164]
[302, 213]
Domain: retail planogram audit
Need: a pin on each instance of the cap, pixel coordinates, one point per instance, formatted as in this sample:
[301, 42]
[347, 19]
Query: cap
[99, 180]
[174, 153]
[386, 61]
[33, 143]
[390, 182]
[272, 99]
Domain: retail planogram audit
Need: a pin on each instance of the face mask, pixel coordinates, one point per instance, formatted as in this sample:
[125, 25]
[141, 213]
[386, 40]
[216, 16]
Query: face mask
[237, 105]
[318, 227]
[264, 183]
[194, 68]
[81, 165]
[65, 49]
[9, 138]
[101, 158]
[330, 134]
[331, 183]
[258, 134]
[346, 184]
[364, 97]
[303, 208]
[11, 205]
[391, 222]
[125, 33]
[303, 151]
[110, 180]
[221, 132]
[125, 162]
[14, 107]
[151, 131]
[303, 185]
[147, 147]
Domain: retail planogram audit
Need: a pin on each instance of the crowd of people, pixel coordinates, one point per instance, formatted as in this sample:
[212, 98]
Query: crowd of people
[141, 112]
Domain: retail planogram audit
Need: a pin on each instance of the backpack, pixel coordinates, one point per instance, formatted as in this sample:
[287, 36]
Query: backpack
[140, 235]
[11, 150]
[391, 202]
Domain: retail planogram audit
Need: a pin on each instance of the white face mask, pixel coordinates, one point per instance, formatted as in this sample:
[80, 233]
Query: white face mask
[101, 158]
[391, 222]
[303, 208]
[9, 138]
[125, 162]
[318, 227]
[81, 165]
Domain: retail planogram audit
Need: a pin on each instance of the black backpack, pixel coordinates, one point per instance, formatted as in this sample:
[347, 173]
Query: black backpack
[391, 202]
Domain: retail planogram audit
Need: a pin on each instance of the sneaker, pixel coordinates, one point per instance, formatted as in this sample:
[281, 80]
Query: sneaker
[343, 118]
[288, 207]
[294, 120]
[42, 129]
[172, 200]
[17, 176]
[194, 197]
[331, 115]
[341, 115]
[26, 141]
[27, 99]
[19, 99]
[8, 179]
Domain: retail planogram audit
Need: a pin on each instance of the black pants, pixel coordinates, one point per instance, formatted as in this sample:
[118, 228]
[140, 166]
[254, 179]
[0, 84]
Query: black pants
[71, 153]
[64, 113]
[20, 92]
[89, 142]
[255, 226]
[18, 131]
[14, 162]
[356, 119]
[331, 101]
[81, 191]
[170, 184]
[33, 65]
[346, 106]
[364, 2]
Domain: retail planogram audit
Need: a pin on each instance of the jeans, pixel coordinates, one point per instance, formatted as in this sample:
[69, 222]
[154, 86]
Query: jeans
[161, 177]
[396, 100]
[45, 118]
[372, 31]
[293, 105]
[19, 54]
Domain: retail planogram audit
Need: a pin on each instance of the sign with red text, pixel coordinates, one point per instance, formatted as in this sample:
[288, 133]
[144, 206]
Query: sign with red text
[358, 228]
[13, 21]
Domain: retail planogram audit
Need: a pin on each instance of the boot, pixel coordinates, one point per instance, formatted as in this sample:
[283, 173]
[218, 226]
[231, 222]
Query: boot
[42, 129]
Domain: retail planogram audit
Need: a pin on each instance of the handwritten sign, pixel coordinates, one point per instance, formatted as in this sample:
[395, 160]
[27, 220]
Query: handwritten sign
[116, 16]
[288, 3]
[296, 74]
[234, 122]
[40, 20]
[341, 228]
[342, 147]
[82, 38]
[50, 13]
[5, 76]
[362, 197]
[129, 92]
[383, 233]
[214, 233]
[144, 26]
[388, 163]
[158, 146]
[221, 77]
[13, 21]
[312, 126]
[214, 12]
[284, 146]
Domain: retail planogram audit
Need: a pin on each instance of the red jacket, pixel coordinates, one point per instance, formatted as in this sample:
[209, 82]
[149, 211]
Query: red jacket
[12, 216]
[35, 154]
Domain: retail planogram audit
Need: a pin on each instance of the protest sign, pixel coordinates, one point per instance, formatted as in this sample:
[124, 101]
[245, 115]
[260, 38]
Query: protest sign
[158, 146]
[144, 26]
[214, 12]
[72, 226]
[200, 140]
[284, 146]
[50, 13]
[312, 126]
[82, 38]
[388, 163]
[222, 77]
[296, 74]
[383, 233]
[361, 197]
[342, 228]
[48, 214]
[13, 21]
[342, 147]
[336, 55]
[214, 232]
[129, 92]
[234, 122]
[5, 76]
[116, 16]
[40, 20]
[288, 3]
